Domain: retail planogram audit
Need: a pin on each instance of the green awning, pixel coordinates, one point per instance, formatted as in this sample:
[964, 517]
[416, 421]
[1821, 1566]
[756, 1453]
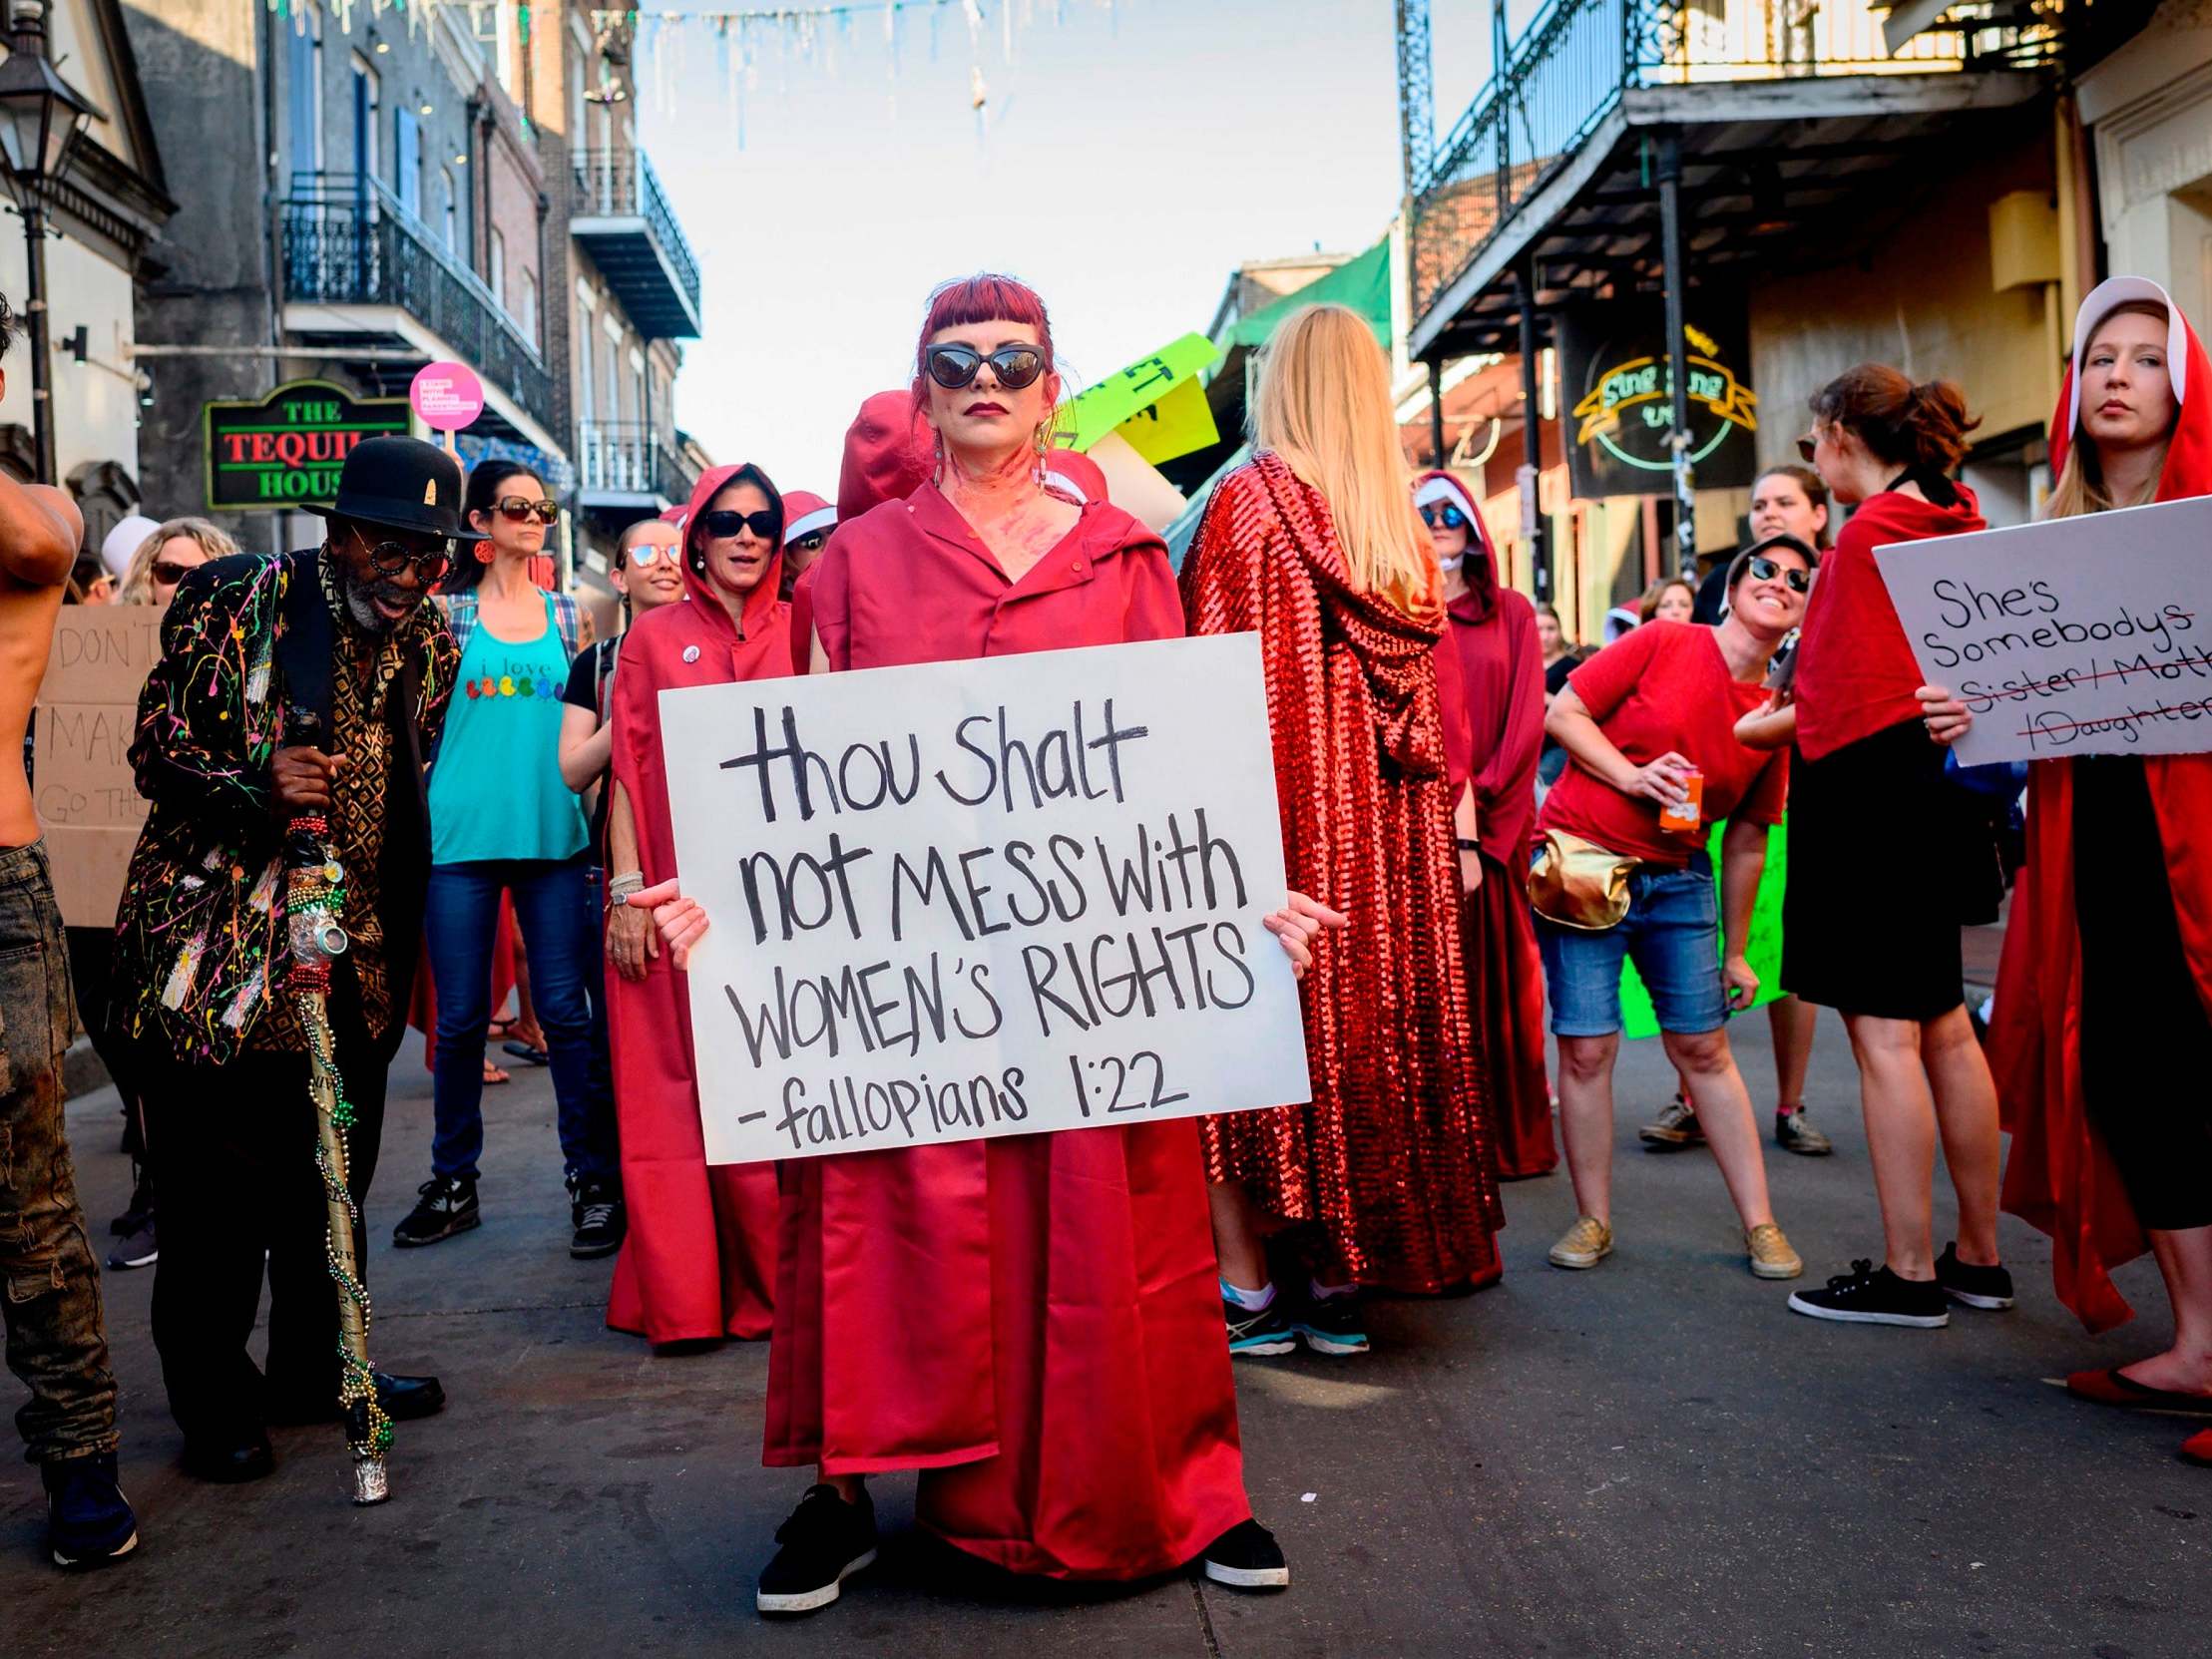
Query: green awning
[1362, 283]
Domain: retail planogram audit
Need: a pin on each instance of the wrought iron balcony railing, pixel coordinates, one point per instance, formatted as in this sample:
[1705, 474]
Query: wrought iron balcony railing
[1574, 59]
[348, 242]
[631, 459]
[621, 184]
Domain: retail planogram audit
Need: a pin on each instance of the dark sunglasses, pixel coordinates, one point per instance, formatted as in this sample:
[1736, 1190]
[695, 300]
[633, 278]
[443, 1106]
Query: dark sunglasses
[391, 558]
[1805, 447]
[169, 572]
[1443, 515]
[516, 510]
[1766, 570]
[955, 366]
[808, 544]
[725, 522]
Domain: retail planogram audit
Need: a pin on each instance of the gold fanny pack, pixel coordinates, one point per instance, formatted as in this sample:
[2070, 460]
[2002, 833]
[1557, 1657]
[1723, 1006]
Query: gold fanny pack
[1579, 883]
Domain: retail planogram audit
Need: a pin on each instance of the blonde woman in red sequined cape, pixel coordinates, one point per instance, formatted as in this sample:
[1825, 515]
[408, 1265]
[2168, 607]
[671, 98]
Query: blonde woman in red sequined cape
[1392, 1165]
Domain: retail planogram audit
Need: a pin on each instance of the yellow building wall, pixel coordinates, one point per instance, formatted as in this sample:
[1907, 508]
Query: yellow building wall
[1923, 303]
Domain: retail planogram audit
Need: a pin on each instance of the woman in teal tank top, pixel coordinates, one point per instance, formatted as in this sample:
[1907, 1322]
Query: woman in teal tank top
[502, 820]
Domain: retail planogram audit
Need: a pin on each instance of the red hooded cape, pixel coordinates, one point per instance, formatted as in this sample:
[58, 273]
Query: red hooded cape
[1033, 1321]
[1393, 1158]
[699, 1258]
[1494, 738]
[2059, 1177]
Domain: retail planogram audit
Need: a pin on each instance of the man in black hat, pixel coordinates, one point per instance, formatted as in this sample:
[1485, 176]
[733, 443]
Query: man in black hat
[310, 684]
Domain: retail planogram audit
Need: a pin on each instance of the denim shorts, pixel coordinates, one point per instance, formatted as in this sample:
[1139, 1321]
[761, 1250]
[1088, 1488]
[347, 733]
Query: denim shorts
[1671, 933]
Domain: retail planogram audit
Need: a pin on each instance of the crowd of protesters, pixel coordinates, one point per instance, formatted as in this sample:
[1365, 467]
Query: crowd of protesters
[1482, 824]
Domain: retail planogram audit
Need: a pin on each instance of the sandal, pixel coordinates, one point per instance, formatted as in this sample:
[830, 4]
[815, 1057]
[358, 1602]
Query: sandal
[524, 1051]
[493, 1075]
[2111, 1386]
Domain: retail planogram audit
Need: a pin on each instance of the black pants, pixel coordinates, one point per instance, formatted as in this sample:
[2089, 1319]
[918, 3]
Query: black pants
[234, 1150]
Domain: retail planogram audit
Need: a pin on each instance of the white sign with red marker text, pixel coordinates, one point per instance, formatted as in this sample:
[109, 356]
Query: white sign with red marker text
[2081, 635]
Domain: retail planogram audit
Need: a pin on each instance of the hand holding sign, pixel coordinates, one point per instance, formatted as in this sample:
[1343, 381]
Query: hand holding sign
[2081, 635]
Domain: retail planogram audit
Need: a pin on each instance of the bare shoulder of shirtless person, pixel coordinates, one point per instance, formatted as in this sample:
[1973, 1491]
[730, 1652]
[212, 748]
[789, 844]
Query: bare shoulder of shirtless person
[39, 534]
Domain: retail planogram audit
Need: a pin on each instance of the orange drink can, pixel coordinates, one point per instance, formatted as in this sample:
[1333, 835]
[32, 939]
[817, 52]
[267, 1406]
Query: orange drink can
[1685, 819]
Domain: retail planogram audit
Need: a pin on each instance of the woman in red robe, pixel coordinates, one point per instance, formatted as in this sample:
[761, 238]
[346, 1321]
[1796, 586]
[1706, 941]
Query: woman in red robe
[1390, 1170]
[1493, 643]
[1030, 1320]
[2102, 1038]
[699, 1260]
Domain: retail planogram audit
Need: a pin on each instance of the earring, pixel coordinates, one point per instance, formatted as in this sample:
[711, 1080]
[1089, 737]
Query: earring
[485, 553]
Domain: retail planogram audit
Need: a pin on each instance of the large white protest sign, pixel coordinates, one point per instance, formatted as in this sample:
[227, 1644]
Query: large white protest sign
[983, 898]
[2081, 635]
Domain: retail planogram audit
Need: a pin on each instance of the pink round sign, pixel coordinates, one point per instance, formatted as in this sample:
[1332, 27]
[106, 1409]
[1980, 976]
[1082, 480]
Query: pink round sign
[447, 396]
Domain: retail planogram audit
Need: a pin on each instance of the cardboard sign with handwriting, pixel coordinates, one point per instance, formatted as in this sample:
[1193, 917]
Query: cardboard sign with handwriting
[89, 807]
[983, 898]
[2082, 635]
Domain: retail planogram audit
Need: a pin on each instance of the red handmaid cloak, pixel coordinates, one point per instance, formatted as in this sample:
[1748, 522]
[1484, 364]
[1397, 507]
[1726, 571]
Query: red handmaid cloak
[699, 1258]
[2058, 1177]
[1491, 641]
[1393, 1157]
[1034, 1321]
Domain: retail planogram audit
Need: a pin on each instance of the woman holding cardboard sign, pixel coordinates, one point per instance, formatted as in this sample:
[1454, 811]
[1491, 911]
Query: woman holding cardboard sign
[1029, 1320]
[1881, 945]
[2101, 1036]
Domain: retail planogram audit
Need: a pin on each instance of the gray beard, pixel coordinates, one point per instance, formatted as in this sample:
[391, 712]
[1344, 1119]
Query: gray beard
[361, 606]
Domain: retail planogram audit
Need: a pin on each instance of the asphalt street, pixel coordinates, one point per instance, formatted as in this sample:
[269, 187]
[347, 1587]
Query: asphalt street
[1654, 1458]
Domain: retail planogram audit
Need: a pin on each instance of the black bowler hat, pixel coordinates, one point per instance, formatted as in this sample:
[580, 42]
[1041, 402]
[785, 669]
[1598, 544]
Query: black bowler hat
[401, 484]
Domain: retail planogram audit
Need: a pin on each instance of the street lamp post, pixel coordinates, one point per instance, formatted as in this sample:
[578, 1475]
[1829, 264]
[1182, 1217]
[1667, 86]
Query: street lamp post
[40, 116]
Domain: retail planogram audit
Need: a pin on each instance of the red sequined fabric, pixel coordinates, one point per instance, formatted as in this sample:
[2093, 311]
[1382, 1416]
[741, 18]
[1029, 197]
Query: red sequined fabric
[1393, 1158]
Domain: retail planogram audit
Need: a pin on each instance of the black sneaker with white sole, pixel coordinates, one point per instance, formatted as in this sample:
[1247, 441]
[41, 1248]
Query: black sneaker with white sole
[825, 1542]
[596, 1213]
[446, 1205]
[1331, 1324]
[1870, 1295]
[1264, 1332]
[1247, 1557]
[1988, 1287]
[89, 1523]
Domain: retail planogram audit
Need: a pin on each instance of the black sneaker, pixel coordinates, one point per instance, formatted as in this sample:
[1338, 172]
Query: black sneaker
[1988, 1288]
[140, 1208]
[1264, 1332]
[1869, 1295]
[1247, 1557]
[447, 1207]
[1793, 1134]
[88, 1519]
[825, 1542]
[596, 1212]
[1331, 1324]
[141, 1249]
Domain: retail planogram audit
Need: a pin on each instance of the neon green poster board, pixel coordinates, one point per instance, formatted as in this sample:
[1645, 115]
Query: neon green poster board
[1763, 950]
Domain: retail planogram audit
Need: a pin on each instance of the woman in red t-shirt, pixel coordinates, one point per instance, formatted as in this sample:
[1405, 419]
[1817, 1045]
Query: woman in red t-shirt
[1874, 935]
[1641, 718]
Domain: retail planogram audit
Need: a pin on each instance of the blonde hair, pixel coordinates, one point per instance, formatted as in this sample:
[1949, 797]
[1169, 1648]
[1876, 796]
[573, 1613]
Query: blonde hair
[138, 577]
[2080, 487]
[1324, 407]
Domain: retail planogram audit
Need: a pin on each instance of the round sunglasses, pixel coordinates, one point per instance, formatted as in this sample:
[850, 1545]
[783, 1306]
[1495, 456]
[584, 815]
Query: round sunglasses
[1443, 515]
[391, 558]
[955, 366]
[725, 522]
[1763, 569]
[645, 553]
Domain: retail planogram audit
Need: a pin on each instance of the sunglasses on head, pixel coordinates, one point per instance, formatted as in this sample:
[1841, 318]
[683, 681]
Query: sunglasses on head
[1763, 569]
[955, 366]
[1443, 515]
[725, 522]
[391, 558]
[169, 572]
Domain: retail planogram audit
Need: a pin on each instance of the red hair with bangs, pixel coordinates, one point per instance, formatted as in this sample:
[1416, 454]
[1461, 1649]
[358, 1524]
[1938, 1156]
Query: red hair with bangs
[984, 297]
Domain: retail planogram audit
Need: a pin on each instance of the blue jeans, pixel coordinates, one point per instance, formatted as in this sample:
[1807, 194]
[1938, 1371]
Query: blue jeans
[1671, 933]
[555, 908]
